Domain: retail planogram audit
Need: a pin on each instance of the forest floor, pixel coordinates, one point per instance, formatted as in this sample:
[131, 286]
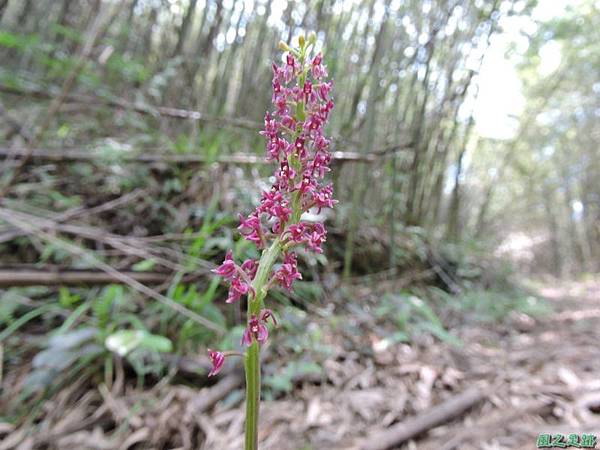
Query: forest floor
[532, 374]
[536, 375]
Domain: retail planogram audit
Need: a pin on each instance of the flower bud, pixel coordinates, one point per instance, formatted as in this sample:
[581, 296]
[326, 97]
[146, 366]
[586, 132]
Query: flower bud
[301, 40]
[217, 359]
[312, 37]
[283, 46]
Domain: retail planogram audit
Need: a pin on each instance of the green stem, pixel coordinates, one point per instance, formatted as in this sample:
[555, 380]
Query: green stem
[252, 364]
[267, 260]
[252, 359]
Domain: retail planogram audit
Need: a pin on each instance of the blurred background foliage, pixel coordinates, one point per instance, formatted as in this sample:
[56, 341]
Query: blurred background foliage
[129, 144]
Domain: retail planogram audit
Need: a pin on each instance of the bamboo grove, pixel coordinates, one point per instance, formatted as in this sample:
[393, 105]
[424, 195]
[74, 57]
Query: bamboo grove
[405, 75]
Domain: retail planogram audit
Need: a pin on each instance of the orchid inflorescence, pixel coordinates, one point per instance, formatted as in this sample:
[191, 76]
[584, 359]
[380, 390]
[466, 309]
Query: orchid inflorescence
[297, 145]
[278, 226]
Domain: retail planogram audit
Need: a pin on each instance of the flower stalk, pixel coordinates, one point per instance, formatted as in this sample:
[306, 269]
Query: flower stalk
[252, 367]
[296, 144]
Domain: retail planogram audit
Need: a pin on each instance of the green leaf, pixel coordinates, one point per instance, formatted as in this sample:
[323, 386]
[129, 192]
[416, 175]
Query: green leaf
[66, 299]
[72, 338]
[144, 266]
[125, 341]
[21, 42]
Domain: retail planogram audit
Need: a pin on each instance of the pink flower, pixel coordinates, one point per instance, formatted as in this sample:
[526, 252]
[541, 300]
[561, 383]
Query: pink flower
[275, 205]
[297, 232]
[277, 73]
[317, 237]
[321, 143]
[288, 272]
[288, 122]
[275, 147]
[290, 68]
[320, 164]
[251, 229]
[324, 89]
[250, 266]
[238, 288]
[267, 314]
[276, 87]
[308, 184]
[285, 176]
[299, 149]
[317, 68]
[255, 330]
[313, 125]
[228, 269]
[324, 197]
[307, 89]
[217, 359]
[271, 126]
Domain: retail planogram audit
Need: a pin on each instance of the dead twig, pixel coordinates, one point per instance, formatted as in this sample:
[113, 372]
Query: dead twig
[69, 155]
[86, 102]
[79, 212]
[90, 258]
[217, 392]
[126, 244]
[53, 276]
[487, 427]
[435, 416]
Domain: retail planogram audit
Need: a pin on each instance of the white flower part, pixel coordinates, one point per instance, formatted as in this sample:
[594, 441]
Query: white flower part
[124, 341]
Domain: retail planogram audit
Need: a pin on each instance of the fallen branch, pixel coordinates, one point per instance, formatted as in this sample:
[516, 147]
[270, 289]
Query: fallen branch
[12, 277]
[32, 229]
[165, 111]
[88, 101]
[217, 392]
[14, 126]
[126, 244]
[74, 155]
[80, 212]
[488, 427]
[435, 416]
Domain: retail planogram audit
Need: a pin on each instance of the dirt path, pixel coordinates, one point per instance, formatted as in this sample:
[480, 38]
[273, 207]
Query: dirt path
[542, 376]
[544, 372]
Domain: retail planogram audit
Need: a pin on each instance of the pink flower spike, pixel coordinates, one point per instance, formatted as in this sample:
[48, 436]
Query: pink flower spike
[217, 359]
[228, 268]
[295, 142]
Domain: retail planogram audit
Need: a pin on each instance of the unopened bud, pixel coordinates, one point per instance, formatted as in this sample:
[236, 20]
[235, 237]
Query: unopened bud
[283, 46]
[301, 40]
[312, 37]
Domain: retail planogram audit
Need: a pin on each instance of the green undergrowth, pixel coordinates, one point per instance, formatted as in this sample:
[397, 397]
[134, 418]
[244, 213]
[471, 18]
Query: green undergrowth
[493, 306]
